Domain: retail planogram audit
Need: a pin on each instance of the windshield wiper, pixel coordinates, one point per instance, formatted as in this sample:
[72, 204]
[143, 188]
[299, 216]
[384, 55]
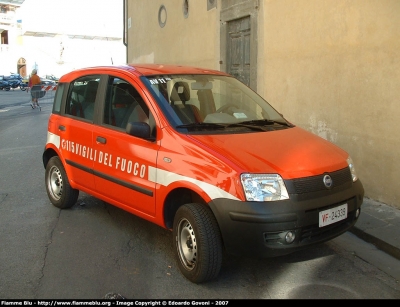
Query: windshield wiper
[258, 125]
[263, 122]
[202, 126]
[246, 125]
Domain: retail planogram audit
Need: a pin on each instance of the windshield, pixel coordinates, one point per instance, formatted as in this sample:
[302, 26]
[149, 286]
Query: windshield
[209, 102]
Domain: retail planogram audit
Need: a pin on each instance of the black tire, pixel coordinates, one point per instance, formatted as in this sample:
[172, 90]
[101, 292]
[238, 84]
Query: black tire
[58, 188]
[197, 242]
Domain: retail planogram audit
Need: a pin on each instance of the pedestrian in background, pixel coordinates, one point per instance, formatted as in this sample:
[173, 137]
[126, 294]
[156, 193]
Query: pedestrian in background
[34, 80]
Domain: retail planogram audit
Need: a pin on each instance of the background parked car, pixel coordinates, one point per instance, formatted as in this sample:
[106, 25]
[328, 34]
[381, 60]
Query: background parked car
[44, 80]
[47, 81]
[4, 85]
[51, 77]
[15, 81]
[25, 80]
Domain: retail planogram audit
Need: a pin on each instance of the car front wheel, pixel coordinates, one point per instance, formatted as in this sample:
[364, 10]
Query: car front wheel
[198, 243]
[60, 192]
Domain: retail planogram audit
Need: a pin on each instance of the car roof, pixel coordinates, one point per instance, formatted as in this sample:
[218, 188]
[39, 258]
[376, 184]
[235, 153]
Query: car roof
[140, 70]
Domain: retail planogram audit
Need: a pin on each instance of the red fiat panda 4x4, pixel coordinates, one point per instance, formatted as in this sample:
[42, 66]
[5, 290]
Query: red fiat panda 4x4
[199, 153]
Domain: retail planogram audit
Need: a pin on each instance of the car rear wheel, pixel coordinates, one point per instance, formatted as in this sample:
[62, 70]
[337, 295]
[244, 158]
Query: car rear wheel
[60, 192]
[198, 243]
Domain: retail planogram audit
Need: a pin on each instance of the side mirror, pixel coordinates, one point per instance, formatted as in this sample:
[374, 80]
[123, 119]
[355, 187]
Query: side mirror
[139, 129]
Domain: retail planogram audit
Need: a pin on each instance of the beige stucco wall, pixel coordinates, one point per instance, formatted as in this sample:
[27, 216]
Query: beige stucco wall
[186, 41]
[330, 66]
[333, 67]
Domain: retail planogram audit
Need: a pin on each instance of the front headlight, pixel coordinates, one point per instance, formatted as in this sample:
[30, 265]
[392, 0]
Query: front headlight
[352, 169]
[263, 187]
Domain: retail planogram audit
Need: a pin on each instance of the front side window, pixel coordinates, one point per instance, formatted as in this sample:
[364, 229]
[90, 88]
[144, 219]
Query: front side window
[124, 104]
[82, 96]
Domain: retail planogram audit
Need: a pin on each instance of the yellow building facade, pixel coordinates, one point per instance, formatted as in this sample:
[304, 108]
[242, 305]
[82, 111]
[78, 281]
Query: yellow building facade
[330, 66]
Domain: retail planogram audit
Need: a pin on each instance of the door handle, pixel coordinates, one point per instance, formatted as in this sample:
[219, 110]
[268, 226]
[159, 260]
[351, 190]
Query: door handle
[61, 127]
[101, 140]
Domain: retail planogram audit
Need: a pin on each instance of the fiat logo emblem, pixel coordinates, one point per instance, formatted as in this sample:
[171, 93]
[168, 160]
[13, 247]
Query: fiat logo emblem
[327, 181]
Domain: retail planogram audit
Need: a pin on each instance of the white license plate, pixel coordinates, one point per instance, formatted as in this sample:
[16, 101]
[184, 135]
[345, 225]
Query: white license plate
[332, 215]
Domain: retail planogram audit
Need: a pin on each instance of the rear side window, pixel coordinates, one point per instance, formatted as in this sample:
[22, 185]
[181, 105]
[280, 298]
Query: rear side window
[58, 98]
[82, 96]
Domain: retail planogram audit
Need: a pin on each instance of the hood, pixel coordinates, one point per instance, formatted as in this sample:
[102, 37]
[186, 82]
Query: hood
[292, 153]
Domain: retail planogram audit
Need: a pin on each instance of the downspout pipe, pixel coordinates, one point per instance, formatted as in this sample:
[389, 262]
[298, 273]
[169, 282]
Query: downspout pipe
[125, 30]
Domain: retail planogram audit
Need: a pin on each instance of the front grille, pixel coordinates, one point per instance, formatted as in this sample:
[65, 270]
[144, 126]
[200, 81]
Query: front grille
[315, 183]
[310, 234]
[315, 233]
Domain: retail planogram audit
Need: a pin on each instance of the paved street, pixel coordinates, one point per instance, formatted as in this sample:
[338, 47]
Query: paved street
[94, 248]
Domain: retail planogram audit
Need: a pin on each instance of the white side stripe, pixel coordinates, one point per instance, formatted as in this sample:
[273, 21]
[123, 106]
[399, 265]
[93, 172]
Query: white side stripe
[53, 139]
[165, 178]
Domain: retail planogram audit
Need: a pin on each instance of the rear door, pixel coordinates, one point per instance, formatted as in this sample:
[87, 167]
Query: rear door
[121, 168]
[75, 129]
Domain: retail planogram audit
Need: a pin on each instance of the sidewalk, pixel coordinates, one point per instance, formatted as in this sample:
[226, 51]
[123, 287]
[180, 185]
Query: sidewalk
[379, 224]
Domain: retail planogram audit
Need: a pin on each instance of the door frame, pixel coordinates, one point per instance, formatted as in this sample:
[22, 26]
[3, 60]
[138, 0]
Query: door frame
[236, 9]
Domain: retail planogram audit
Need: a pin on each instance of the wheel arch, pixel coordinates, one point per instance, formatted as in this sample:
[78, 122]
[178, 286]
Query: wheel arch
[47, 155]
[177, 198]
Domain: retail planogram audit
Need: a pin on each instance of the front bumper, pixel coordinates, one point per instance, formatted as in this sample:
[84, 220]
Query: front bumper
[258, 229]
